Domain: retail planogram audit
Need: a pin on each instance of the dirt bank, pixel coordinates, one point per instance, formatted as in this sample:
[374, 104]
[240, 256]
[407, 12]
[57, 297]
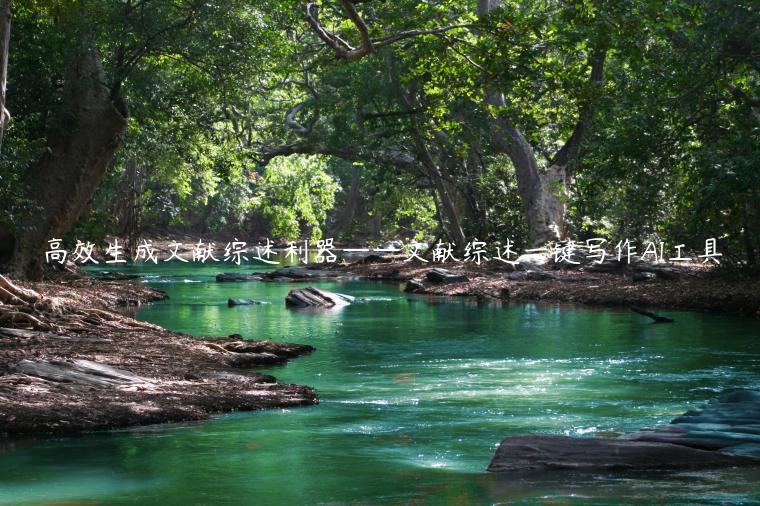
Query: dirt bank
[694, 288]
[69, 363]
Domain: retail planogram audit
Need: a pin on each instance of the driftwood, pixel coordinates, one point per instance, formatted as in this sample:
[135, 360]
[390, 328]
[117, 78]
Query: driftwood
[78, 371]
[656, 318]
[314, 297]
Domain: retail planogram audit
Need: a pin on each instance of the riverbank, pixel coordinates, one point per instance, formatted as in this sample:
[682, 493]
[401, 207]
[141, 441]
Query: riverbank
[69, 362]
[685, 288]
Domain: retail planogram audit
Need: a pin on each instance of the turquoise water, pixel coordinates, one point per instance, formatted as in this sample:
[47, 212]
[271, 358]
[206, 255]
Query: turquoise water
[415, 395]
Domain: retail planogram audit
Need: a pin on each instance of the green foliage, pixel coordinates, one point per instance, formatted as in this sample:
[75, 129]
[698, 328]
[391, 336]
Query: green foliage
[295, 194]
[214, 87]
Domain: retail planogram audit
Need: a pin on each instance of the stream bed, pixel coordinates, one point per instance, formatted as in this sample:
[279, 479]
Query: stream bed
[416, 394]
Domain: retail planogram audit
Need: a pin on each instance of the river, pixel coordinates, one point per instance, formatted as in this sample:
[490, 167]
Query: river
[416, 394]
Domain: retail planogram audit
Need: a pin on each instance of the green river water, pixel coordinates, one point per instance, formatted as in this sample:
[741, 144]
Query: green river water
[416, 393]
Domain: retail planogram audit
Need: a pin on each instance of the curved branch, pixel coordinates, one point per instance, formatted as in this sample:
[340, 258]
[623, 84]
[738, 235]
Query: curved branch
[344, 50]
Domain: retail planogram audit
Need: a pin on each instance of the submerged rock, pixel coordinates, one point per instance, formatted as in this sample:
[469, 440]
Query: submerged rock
[314, 297]
[445, 276]
[227, 277]
[300, 274]
[245, 302]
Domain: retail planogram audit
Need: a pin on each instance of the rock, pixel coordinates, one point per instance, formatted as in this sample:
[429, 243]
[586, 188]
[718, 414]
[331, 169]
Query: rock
[730, 424]
[643, 276]
[391, 275]
[300, 274]
[314, 297]
[723, 432]
[392, 245]
[373, 259]
[444, 276]
[245, 302]
[540, 276]
[227, 277]
[517, 276]
[608, 266]
[663, 272]
[243, 360]
[414, 286]
[534, 260]
[282, 349]
[543, 452]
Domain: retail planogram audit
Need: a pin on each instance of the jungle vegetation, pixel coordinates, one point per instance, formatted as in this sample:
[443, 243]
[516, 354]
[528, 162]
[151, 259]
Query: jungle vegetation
[363, 120]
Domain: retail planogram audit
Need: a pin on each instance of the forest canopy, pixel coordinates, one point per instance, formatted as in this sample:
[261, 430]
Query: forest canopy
[367, 120]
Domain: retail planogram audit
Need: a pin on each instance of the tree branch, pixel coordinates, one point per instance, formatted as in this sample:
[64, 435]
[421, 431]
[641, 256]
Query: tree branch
[572, 146]
[344, 50]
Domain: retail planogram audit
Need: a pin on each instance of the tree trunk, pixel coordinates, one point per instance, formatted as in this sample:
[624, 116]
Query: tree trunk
[5, 40]
[352, 200]
[541, 194]
[88, 130]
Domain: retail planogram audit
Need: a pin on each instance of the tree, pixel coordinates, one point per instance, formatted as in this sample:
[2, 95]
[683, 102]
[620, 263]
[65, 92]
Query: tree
[541, 191]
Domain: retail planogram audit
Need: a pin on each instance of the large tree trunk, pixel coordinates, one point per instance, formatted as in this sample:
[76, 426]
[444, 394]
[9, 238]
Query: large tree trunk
[89, 128]
[541, 194]
[5, 40]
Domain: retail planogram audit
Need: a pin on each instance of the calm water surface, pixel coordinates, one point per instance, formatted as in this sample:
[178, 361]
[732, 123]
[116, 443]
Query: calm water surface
[415, 395]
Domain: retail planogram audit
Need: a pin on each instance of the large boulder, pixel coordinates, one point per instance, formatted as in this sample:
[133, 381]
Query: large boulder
[723, 432]
[437, 275]
[730, 424]
[314, 297]
[543, 452]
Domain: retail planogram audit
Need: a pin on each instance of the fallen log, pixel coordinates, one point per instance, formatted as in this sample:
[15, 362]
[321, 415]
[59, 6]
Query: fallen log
[78, 371]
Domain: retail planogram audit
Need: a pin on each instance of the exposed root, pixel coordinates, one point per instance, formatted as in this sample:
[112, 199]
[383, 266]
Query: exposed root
[26, 309]
[28, 296]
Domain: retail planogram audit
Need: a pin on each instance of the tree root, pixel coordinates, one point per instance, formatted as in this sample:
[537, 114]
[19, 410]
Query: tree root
[12, 318]
[23, 308]
[27, 296]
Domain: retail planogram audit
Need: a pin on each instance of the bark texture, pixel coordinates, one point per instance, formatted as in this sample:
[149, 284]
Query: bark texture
[5, 40]
[81, 144]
